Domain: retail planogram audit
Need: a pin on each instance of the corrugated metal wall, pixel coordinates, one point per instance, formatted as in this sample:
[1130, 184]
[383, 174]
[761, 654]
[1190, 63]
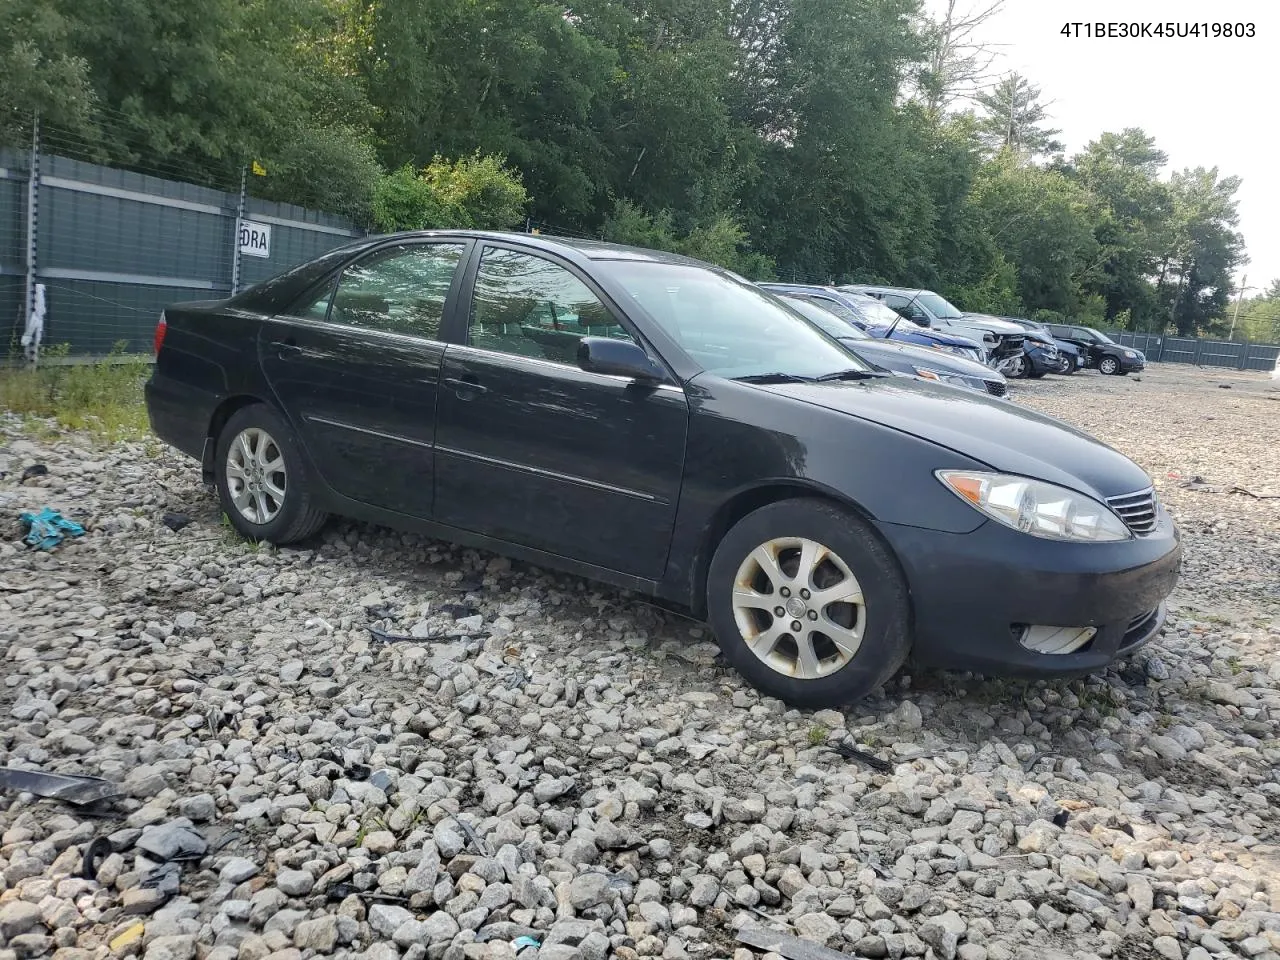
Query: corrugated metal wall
[114, 247]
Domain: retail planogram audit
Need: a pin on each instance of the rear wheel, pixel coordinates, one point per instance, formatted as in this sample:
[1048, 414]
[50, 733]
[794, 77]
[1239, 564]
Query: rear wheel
[1109, 366]
[808, 604]
[262, 479]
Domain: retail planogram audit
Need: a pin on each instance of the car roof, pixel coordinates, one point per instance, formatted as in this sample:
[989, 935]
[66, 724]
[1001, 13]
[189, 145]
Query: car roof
[590, 249]
[857, 287]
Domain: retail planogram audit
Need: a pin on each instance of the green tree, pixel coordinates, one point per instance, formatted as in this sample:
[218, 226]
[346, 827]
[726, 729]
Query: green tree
[1202, 249]
[1013, 118]
[1123, 171]
[42, 73]
[1042, 222]
[474, 192]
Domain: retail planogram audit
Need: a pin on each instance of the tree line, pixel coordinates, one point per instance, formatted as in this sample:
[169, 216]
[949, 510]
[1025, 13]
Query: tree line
[815, 140]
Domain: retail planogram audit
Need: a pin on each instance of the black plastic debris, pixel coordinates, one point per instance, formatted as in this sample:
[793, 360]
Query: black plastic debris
[175, 521]
[172, 842]
[382, 636]
[793, 948]
[70, 788]
[340, 891]
[458, 610]
[850, 752]
[1061, 817]
[94, 854]
[35, 470]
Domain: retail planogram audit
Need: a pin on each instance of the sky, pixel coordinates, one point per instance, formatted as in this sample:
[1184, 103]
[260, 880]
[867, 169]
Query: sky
[1208, 103]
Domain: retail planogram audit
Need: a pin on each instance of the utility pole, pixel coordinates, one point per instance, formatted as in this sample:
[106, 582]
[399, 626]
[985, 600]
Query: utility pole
[1236, 316]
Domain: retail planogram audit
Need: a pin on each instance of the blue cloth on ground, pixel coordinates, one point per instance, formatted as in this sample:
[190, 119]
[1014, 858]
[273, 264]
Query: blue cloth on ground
[48, 527]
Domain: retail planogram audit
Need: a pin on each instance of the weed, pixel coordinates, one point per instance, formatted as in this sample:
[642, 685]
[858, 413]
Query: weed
[817, 735]
[104, 398]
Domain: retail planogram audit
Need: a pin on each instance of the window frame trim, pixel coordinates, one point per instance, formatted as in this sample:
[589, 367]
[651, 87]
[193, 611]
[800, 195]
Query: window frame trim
[459, 333]
[292, 314]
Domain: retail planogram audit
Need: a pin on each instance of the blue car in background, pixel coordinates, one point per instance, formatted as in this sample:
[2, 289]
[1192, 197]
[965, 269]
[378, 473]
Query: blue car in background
[905, 359]
[880, 321]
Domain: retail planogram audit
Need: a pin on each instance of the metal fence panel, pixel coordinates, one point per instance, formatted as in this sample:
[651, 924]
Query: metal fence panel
[1261, 356]
[13, 246]
[114, 247]
[1179, 350]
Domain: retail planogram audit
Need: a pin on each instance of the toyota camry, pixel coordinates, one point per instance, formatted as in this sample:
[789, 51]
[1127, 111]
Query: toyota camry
[660, 424]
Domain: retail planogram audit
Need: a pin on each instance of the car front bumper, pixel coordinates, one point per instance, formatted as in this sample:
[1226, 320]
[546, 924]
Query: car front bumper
[1132, 365]
[1042, 360]
[973, 593]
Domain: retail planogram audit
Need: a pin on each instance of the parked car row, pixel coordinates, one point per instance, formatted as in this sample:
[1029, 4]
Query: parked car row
[1012, 346]
[661, 424]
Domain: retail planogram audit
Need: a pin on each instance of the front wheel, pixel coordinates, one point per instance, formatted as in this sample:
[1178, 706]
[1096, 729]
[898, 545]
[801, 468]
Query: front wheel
[1066, 366]
[808, 604]
[1109, 366]
[262, 478]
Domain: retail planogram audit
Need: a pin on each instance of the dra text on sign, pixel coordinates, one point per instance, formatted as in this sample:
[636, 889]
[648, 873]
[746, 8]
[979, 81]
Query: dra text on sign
[255, 239]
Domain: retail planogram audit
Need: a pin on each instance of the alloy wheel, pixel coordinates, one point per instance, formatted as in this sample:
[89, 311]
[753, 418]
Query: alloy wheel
[256, 478]
[1109, 365]
[799, 607]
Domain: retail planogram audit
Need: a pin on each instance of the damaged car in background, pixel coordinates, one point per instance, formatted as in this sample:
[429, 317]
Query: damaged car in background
[663, 425]
[901, 358]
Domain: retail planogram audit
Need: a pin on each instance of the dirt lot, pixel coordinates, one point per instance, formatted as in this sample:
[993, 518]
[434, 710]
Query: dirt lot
[578, 767]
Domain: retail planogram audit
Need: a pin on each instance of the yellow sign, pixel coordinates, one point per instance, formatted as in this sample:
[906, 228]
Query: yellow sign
[258, 169]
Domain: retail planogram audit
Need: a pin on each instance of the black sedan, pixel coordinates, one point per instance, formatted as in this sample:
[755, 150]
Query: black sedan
[1100, 351]
[903, 358]
[663, 425]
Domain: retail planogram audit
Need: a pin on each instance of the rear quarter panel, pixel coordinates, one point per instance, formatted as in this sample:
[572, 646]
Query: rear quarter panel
[208, 356]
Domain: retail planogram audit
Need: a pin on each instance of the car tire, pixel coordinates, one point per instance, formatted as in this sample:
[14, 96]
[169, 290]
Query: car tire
[262, 479]
[1109, 365]
[1018, 370]
[767, 562]
[1066, 366]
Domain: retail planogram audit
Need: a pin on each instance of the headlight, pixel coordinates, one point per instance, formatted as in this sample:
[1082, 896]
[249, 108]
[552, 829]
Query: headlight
[939, 375]
[1041, 509]
[1131, 355]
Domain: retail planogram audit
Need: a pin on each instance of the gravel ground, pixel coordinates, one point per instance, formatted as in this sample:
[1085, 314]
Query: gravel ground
[572, 765]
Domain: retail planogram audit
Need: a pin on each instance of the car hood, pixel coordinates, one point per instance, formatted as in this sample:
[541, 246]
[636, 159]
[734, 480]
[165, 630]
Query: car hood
[994, 324]
[1001, 434]
[937, 336]
[924, 356]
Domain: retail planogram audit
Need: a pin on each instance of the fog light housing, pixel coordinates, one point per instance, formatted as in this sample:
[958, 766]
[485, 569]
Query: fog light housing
[1054, 641]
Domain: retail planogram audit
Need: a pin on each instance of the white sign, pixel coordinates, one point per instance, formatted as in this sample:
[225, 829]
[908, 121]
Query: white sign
[255, 239]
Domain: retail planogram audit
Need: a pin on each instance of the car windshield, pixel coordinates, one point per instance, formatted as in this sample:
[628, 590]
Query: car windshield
[1100, 335]
[939, 307]
[876, 313]
[731, 327]
[831, 318]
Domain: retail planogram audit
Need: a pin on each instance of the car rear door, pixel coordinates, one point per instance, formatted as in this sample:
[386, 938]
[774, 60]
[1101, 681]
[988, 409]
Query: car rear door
[534, 450]
[356, 366]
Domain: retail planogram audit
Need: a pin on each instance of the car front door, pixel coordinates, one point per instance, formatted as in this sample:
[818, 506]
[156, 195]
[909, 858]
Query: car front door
[355, 366]
[532, 449]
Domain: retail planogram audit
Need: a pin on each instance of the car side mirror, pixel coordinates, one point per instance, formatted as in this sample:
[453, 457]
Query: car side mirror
[618, 358]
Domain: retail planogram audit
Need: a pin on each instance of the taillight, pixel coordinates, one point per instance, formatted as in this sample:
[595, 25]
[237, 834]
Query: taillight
[161, 328]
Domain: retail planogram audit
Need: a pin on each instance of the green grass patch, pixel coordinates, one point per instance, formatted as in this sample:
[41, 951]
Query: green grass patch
[103, 397]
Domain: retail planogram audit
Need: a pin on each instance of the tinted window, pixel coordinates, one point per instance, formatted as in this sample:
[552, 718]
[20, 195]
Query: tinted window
[534, 308]
[731, 327]
[400, 289]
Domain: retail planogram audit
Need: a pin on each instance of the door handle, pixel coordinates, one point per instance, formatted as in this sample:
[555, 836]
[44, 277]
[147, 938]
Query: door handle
[288, 349]
[466, 388]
